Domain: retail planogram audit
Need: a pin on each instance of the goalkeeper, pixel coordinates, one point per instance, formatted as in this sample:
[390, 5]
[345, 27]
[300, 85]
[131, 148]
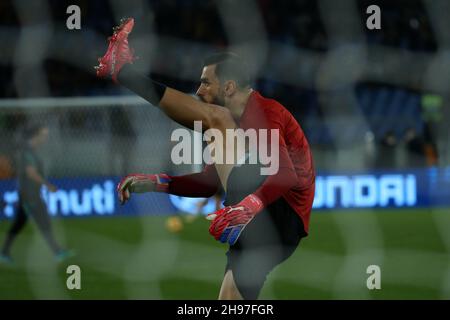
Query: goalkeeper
[264, 216]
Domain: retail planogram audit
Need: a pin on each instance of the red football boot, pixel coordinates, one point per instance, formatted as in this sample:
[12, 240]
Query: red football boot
[118, 53]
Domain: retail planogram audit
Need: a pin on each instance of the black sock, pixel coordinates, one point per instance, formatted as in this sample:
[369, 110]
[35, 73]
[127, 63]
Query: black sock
[150, 90]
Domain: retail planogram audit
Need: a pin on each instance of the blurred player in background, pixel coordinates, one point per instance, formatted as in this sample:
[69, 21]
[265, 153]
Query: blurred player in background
[415, 146]
[218, 199]
[275, 209]
[31, 178]
[218, 196]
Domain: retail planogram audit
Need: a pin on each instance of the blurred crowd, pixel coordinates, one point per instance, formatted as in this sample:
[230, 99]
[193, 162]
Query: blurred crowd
[410, 150]
[294, 23]
[297, 24]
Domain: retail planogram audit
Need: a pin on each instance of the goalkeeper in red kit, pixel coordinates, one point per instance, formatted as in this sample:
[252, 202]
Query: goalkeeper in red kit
[265, 216]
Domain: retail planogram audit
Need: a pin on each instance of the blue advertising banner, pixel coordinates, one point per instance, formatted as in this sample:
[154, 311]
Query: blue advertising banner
[428, 187]
[86, 197]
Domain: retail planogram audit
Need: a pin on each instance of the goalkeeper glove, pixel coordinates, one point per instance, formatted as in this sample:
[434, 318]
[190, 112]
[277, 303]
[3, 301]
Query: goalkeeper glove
[229, 222]
[139, 183]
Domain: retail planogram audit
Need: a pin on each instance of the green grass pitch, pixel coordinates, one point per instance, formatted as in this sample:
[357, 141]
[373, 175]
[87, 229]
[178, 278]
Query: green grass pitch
[137, 258]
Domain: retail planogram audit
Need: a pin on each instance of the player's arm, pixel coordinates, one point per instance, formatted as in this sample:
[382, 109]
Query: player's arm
[228, 223]
[202, 184]
[34, 175]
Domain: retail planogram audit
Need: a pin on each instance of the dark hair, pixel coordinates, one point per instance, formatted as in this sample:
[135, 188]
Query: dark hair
[229, 66]
[32, 130]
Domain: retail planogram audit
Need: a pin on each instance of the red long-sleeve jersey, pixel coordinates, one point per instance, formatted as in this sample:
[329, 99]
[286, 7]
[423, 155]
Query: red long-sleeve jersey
[295, 178]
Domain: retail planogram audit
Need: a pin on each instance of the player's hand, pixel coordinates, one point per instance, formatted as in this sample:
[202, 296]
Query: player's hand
[140, 183]
[229, 222]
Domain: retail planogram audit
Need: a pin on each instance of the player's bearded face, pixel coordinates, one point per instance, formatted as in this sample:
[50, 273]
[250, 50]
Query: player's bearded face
[210, 90]
[216, 98]
[219, 99]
